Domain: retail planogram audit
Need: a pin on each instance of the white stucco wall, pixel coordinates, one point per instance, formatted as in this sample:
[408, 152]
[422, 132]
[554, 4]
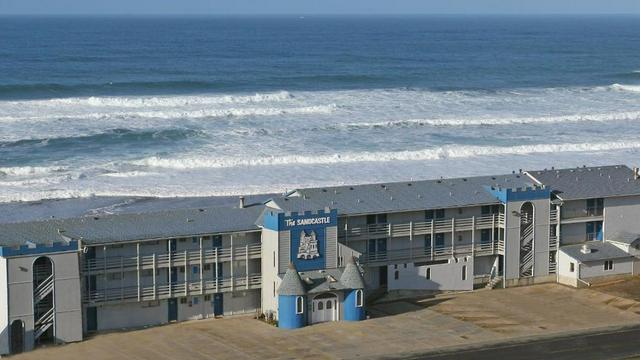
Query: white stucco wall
[443, 276]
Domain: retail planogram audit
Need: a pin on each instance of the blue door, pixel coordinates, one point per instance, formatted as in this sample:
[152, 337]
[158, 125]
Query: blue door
[594, 230]
[218, 308]
[173, 309]
[92, 319]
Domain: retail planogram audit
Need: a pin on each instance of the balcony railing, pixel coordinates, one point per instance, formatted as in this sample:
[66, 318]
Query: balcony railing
[177, 289]
[553, 216]
[176, 258]
[409, 229]
[581, 213]
[428, 254]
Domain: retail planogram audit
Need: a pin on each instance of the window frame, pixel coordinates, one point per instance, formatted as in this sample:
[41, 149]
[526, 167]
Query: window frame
[359, 298]
[610, 267]
[299, 305]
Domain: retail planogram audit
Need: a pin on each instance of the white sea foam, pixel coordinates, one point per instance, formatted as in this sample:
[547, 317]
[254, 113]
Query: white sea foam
[630, 88]
[446, 152]
[30, 170]
[157, 101]
[635, 115]
[183, 114]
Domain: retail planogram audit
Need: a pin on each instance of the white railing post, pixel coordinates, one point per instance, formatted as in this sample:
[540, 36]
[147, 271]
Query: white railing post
[170, 271]
[433, 235]
[246, 267]
[217, 275]
[186, 274]
[410, 239]
[473, 236]
[453, 236]
[138, 267]
[201, 267]
[155, 291]
[231, 263]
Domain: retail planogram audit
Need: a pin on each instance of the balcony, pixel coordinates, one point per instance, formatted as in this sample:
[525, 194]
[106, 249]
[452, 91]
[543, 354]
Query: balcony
[410, 229]
[553, 216]
[176, 258]
[553, 267]
[420, 254]
[581, 215]
[177, 289]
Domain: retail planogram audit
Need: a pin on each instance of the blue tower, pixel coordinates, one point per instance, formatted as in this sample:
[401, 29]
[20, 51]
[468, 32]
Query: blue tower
[292, 302]
[353, 304]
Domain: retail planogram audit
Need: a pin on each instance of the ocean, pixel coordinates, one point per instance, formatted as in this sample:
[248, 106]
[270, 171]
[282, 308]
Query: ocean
[200, 106]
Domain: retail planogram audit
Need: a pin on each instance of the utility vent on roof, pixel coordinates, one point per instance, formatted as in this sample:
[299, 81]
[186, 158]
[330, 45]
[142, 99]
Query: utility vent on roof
[585, 249]
[96, 218]
[189, 220]
[201, 210]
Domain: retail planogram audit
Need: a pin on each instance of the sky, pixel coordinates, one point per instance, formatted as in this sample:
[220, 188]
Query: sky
[310, 7]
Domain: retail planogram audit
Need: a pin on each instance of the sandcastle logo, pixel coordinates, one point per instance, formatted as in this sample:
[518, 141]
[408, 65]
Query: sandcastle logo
[308, 248]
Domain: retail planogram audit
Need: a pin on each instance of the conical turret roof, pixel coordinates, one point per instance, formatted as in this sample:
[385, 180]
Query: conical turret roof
[351, 277]
[291, 283]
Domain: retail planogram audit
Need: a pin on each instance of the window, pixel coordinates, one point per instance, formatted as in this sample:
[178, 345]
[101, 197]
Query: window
[182, 240]
[217, 241]
[194, 239]
[459, 237]
[207, 298]
[485, 236]
[115, 276]
[299, 305]
[608, 265]
[376, 219]
[595, 207]
[196, 300]
[195, 269]
[405, 266]
[572, 267]
[428, 215]
[439, 241]
[427, 274]
[464, 272]
[440, 214]
[321, 305]
[460, 210]
[427, 241]
[359, 298]
[207, 267]
[183, 300]
[181, 269]
[396, 275]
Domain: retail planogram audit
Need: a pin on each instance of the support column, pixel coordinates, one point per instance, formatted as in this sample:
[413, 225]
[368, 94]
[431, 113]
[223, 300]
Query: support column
[155, 289]
[186, 273]
[231, 263]
[138, 268]
[246, 266]
[217, 274]
[169, 268]
[433, 235]
[201, 268]
[104, 272]
[493, 232]
[473, 236]
[453, 236]
[410, 239]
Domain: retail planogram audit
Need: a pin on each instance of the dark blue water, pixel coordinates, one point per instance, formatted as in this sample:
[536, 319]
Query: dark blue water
[52, 57]
[226, 105]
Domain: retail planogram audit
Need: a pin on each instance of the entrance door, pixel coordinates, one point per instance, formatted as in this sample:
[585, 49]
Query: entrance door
[218, 304]
[17, 337]
[92, 319]
[173, 309]
[383, 275]
[324, 308]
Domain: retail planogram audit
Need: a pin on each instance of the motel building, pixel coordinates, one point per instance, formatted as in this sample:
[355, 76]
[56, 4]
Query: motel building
[315, 255]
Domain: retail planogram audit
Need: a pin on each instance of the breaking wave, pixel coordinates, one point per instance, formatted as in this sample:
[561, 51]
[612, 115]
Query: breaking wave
[446, 152]
[22, 171]
[158, 101]
[630, 88]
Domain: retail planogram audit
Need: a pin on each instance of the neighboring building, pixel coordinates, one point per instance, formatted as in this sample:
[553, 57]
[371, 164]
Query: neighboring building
[292, 257]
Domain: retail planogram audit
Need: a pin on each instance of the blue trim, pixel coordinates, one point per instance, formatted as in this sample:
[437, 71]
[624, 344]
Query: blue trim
[351, 312]
[505, 195]
[6, 251]
[287, 317]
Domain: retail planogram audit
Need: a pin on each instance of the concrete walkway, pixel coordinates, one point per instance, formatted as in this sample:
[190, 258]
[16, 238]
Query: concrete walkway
[403, 327]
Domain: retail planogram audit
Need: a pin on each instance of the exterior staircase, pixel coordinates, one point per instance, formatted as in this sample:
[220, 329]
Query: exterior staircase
[526, 249]
[493, 282]
[43, 304]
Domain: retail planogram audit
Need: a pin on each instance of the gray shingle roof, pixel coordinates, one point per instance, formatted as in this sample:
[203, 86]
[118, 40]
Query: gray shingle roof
[351, 276]
[130, 227]
[401, 196]
[589, 182]
[625, 237]
[291, 284]
[599, 251]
